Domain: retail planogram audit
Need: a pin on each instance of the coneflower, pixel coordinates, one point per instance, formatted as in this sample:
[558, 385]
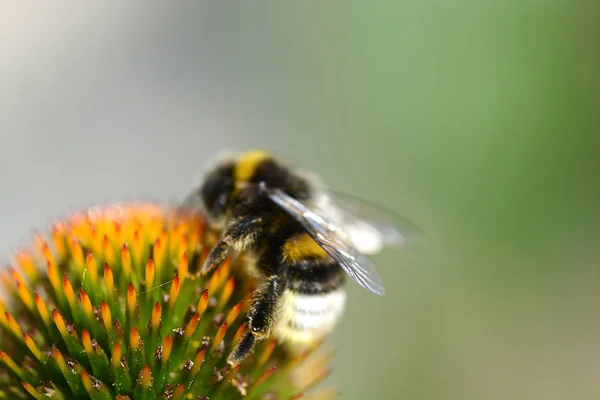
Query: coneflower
[108, 305]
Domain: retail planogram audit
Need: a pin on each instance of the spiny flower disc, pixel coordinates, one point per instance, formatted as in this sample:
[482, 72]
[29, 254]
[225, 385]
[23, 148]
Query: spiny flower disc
[109, 305]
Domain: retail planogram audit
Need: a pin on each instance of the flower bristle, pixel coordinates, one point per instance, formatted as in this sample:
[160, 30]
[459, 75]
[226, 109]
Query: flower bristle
[110, 305]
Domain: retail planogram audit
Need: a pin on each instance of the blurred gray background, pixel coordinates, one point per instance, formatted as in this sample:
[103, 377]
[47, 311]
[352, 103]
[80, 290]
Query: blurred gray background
[476, 120]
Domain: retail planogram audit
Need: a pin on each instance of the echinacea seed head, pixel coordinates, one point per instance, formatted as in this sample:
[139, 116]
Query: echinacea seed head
[110, 305]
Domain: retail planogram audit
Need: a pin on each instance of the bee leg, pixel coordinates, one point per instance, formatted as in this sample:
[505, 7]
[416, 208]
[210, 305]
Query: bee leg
[240, 234]
[265, 302]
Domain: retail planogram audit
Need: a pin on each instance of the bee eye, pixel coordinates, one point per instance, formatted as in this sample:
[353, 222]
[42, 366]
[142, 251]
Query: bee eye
[219, 205]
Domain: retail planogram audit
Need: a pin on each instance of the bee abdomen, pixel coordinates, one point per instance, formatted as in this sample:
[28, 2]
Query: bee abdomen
[311, 316]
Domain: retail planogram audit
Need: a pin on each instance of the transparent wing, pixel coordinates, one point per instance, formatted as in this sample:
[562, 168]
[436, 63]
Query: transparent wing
[362, 219]
[359, 267]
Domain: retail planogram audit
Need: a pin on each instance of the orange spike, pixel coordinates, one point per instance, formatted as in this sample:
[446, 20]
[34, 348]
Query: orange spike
[86, 304]
[106, 316]
[198, 361]
[31, 390]
[167, 347]
[11, 364]
[179, 391]
[25, 295]
[107, 249]
[234, 312]
[33, 347]
[239, 333]
[149, 275]
[229, 376]
[184, 244]
[225, 270]
[214, 281]
[156, 314]
[13, 325]
[137, 247]
[109, 280]
[77, 253]
[47, 254]
[2, 315]
[203, 303]
[16, 276]
[69, 293]
[219, 336]
[191, 327]
[91, 267]
[60, 360]
[116, 355]
[146, 377]
[86, 380]
[183, 266]
[158, 253]
[60, 322]
[42, 310]
[126, 260]
[227, 291]
[58, 232]
[262, 379]
[174, 293]
[134, 338]
[87, 341]
[131, 298]
[266, 354]
[27, 265]
[53, 276]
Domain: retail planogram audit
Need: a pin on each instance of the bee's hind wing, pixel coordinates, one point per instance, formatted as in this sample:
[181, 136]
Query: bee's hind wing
[358, 266]
[371, 226]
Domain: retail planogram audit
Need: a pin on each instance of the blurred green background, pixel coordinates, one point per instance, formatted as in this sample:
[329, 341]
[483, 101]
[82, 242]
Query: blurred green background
[476, 120]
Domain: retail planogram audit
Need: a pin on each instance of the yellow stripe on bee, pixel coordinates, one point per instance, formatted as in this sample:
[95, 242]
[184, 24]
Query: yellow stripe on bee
[300, 247]
[247, 164]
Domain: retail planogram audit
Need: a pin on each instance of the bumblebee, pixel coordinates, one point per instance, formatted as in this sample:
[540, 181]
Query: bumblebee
[300, 243]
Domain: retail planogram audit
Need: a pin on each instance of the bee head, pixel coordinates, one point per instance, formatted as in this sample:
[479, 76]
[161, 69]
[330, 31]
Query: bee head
[216, 192]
